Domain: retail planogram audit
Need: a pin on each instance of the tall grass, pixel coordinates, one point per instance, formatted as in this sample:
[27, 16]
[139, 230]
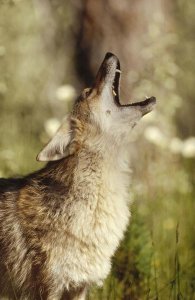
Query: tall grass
[156, 260]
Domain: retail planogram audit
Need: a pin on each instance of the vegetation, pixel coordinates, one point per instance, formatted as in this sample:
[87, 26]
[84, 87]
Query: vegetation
[156, 259]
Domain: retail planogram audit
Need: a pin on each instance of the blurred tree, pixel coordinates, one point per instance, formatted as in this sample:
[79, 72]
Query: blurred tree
[142, 34]
[126, 28]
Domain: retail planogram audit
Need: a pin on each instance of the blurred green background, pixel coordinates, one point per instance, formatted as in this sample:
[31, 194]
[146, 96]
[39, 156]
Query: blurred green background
[49, 51]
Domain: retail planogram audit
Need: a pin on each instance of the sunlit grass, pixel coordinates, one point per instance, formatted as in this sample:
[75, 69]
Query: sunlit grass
[156, 259]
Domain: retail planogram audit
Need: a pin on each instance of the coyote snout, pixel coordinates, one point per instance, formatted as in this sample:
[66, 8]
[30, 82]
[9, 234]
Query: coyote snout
[60, 226]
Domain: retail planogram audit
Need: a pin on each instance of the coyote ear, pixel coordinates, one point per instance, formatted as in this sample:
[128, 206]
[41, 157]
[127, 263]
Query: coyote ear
[57, 147]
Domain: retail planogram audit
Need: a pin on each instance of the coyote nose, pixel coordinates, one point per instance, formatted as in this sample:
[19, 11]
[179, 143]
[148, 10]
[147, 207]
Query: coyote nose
[108, 55]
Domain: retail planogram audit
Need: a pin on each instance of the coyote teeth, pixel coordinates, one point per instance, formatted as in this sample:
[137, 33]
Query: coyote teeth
[114, 93]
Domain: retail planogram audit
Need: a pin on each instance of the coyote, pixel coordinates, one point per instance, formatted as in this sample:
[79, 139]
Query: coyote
[60, 226]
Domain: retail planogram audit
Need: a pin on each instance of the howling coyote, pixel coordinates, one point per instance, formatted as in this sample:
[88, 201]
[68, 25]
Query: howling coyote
[60, 226]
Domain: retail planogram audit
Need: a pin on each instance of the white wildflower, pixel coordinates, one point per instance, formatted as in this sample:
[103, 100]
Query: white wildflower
[176, 145]
[65, 92]
[155, 136]
[51, 126]
[188, 149]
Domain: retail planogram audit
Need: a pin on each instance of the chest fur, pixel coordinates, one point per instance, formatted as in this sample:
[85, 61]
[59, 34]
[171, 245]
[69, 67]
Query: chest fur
[101, 206]
[96, 215]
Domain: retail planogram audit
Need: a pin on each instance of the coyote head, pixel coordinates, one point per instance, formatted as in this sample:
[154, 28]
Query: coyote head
[97, 116]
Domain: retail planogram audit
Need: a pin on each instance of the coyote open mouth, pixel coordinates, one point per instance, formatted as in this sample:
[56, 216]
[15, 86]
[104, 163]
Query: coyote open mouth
[109, 75]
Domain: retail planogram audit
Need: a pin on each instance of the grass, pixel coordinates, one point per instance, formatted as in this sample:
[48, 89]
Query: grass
[156, 260]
